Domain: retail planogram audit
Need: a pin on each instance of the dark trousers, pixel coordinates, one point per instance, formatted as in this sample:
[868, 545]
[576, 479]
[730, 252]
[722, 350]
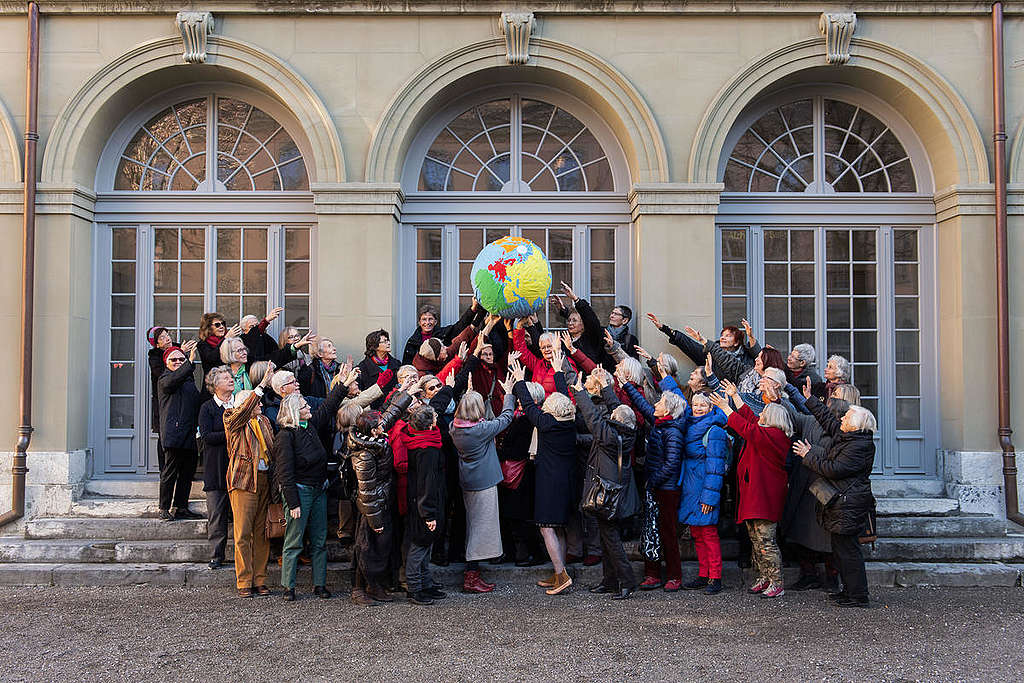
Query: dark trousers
[417, 568]
[618, 572]
[160, 454]
[176, 477]
[668, 512]
[218, 513]
[850, 560]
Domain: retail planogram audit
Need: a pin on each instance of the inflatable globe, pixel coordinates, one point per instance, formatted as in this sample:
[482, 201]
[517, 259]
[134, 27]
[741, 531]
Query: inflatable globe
[511, 277]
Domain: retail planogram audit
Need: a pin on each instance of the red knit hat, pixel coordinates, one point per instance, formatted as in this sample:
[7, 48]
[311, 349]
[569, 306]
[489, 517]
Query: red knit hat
[168, 351]
[153, 334]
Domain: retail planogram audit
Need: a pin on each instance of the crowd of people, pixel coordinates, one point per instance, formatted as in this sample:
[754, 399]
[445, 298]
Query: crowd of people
[495, 440]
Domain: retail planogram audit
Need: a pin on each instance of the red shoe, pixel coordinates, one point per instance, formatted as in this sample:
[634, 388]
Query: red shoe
[471, 583]
[759, 586]
[672, 586]
[489, 585]
[591, 560]
[650, 583]
[773, 591]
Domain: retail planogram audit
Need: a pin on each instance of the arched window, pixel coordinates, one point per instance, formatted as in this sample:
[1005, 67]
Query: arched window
[202, 205]
[521, 160]
[818, 145]
[825, 238]
[515, 144]
[172, 151]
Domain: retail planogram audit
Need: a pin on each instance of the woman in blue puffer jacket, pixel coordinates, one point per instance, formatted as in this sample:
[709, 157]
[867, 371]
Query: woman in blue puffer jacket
[664, 461]
[705, 463]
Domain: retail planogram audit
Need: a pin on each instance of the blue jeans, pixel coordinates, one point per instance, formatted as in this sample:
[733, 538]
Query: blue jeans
[313, 502]
[417, 568]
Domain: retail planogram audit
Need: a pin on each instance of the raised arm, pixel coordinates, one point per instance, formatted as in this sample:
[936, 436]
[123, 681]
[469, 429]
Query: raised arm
[830, 424]
[726, 365]
[235, 419]
[640, 403]
[596, 423]
[531, 361]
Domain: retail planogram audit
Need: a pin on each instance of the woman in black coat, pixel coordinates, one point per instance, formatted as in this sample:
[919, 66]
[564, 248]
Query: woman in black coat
[556, 461]
[613, 437]
[160, 339]
[215, 461]
[179, 412]
[516, 504]
[846, 466]
[377, 359]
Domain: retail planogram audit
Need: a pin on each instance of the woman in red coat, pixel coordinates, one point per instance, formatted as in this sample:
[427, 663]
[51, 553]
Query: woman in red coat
[761, 472]
[540, 369]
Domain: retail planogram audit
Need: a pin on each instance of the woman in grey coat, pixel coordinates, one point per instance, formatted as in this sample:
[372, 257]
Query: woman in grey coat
[479, 476]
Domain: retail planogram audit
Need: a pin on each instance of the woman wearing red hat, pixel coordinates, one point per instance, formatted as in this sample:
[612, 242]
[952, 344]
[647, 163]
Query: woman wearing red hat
[179, 414]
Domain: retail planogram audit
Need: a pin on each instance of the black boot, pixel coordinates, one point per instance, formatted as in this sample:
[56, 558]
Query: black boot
[289, 595]
[321, 592]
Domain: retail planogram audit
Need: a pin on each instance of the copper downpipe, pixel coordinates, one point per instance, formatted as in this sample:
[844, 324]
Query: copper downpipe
[19, 469]
[1013, 513]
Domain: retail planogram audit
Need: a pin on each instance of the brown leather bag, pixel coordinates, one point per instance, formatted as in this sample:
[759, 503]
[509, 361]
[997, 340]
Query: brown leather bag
[275, 520]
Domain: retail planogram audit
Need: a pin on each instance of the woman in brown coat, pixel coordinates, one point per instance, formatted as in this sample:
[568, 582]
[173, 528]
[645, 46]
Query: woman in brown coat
[249, 438]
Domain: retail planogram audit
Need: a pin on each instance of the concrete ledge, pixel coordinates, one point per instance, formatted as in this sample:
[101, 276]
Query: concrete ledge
[959, 575]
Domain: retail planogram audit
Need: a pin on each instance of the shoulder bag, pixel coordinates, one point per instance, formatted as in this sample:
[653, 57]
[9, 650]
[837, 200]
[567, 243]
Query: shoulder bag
[602, 500]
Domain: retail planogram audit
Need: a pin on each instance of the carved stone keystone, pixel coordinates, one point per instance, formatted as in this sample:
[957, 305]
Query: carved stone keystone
[194, 27]
[838, 31]
[517, 27]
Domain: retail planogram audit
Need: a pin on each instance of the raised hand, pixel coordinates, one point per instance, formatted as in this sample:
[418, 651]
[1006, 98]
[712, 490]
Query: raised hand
[189, 346]
[567, 341]
[708, 361]
[450, 380]
[489, 322]
[609, 342]
[806, 389]
[801, 448]
[602, 377]
[721, 402]
[463, 350]
[578, 386]
[642, 352]
[654, 319]
[729, 388]
[351, 377]
[308, 339]
[514, 355]
[267, 377]
[235, 331]
[481, 342]
[273, 313]
[748, 330]
[557, 358]
[568, 291]
[516, 370]
[694, 334]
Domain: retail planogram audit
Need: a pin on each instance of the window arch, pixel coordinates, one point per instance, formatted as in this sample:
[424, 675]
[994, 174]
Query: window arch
[173, 150]
[819, 144]
[515, 144]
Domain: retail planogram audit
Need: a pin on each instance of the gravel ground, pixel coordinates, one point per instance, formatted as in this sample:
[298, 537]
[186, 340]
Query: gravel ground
[516, 633]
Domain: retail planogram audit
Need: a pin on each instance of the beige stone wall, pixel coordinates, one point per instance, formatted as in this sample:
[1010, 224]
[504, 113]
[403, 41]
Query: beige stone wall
[357, 64]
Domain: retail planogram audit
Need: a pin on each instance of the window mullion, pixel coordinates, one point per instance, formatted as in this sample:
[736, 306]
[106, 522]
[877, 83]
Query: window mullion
[516, 140]
[210, 271]
[755, 279]
[211, 143]
[820, 297]
[819, 145]
[275, 274]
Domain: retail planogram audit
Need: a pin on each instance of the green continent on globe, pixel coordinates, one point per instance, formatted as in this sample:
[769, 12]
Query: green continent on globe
[511, 277]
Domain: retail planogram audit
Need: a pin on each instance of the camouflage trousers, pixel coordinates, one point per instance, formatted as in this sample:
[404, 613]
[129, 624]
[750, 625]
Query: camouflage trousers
[764, 552]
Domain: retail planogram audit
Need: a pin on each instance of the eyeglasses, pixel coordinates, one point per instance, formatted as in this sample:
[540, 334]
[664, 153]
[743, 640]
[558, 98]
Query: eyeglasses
[219, 323]
[291, 381]
[434, 387]
[176, 359]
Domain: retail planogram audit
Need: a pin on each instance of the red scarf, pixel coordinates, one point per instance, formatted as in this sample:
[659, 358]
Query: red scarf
[663, 420]
[214, 340]
[430, 438]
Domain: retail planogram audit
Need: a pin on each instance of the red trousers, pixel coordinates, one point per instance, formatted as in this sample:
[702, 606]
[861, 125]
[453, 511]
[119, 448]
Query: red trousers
[709, 552]
[668, 511]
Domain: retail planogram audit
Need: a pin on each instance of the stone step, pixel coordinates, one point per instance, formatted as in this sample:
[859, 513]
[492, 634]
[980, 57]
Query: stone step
[904, 488]
[18, 549]
[133, 488]
[980, 549]
[959, 526]
[508, 577]
[917, 507]
[115, 528]
[95, 506]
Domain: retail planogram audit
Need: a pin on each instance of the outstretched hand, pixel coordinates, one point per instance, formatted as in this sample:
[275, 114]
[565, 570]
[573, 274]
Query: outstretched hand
[694, 334]
[654, 319]
[801, 448]
[806, 387]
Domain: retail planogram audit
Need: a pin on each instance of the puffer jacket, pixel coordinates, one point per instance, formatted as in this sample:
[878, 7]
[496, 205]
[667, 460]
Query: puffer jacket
[664, 444]
[603, 459]
[371, 460]
[846, 465]
[704, 469]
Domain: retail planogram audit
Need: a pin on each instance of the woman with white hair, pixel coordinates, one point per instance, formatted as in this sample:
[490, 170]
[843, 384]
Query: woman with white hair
[838, 371]
[555, 464]
[800, 365]
[846, 469]
[664, 460]
[215, 461]
[761, 472]
[479, 475]
[542, 369]
[235, 355]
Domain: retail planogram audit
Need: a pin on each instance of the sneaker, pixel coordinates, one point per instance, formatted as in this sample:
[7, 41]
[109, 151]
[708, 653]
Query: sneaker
[773, 591]
[696, 584]
[806, 582]
[714, 587]
[672, 586]
[759, 586]
[650, 583]
[421, 598]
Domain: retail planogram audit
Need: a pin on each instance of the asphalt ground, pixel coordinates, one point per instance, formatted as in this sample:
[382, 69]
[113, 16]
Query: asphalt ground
[148, 633]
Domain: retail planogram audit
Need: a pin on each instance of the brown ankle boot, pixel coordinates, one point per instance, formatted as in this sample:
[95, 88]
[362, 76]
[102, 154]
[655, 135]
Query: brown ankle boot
[562, 583]
[359, 597]
[548, 582]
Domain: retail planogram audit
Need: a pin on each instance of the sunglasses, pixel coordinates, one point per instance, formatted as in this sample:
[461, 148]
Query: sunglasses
[176, 359]
[433, 387]
[218, 324]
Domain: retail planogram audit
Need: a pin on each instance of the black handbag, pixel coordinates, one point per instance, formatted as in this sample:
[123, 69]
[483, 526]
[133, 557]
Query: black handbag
[603, 498]
[824, 491]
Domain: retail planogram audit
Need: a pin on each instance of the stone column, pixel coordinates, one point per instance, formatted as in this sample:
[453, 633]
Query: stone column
[674, 232]
[356, 278]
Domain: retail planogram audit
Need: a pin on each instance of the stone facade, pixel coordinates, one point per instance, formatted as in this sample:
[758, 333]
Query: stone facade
[359, 79]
